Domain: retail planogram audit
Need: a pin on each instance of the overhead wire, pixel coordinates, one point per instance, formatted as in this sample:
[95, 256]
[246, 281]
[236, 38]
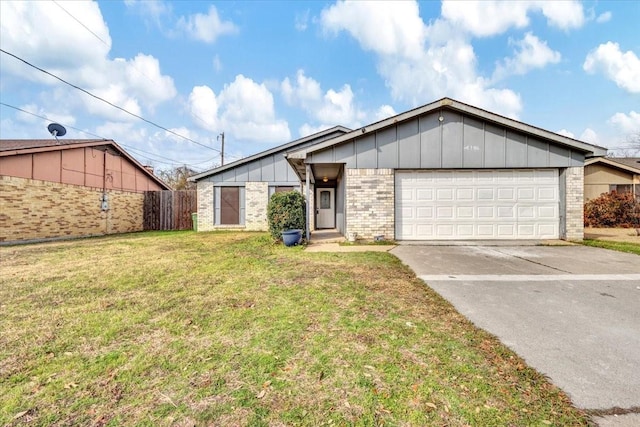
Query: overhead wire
[171, 162]
[107, 102]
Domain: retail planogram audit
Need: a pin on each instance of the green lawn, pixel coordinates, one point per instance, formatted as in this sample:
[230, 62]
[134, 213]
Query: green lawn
[632, 248]
[229, 329]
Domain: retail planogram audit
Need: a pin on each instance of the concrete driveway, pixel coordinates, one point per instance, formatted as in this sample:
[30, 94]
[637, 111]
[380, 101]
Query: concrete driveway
[572, 312]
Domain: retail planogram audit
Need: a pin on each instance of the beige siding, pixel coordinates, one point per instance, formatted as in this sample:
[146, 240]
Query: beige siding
[598, 177]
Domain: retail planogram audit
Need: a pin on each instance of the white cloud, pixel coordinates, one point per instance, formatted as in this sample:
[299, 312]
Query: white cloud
[530, 53]
[590, 136]
[334, 106]
[387, 28]
[566, 133]
[486, 18]
[419, 62]
[206, 27]
[627, 123]
[150, 10]
[134, 84]
[64, 118]
[40, 32]
[384, 112]
[217, 64]
[604, 17]
[491, 17]
[307, 129]
[565, 15]
[144, 78]
[622, 68]
[244, 110]
[302, 20]
[304, 92]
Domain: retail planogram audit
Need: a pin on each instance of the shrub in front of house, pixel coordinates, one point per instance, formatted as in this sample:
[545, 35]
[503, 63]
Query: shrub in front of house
[286, 211]
[613, 210]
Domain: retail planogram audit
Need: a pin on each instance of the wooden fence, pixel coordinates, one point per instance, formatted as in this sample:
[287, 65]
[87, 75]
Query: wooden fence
[169, 210]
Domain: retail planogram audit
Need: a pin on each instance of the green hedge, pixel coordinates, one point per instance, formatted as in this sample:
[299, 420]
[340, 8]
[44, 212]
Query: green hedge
[286, 211]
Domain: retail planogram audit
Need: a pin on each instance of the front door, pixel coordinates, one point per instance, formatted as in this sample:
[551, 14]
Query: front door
[325, 208]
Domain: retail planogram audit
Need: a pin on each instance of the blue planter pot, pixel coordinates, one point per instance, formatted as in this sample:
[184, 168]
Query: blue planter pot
[291, 237]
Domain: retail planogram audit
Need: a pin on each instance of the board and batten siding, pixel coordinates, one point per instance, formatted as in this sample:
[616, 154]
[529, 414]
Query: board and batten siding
[458, 142]
[273, 169]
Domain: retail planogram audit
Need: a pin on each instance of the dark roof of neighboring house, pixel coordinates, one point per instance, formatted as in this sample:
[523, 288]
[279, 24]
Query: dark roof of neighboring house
[452, 104]
[628, 164]
[12, 147]
[283, 147]
[629, 161]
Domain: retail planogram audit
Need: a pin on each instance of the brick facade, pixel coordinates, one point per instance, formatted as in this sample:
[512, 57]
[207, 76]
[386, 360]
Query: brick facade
[206, 213]
[256, 199]
[34, 209]
[574, 203]
[370, 203]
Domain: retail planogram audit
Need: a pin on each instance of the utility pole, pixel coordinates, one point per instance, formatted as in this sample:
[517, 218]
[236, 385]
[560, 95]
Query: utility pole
[221, 139]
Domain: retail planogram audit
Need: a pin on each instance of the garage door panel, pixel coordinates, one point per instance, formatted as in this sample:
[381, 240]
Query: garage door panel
[506, 193]
[547, 193]
[465, 212]
[526, 193]
[424, 212]
[485, 194]
[465, 193]
[465, 230]
[425, 194]
[477, 204]
[444, 212]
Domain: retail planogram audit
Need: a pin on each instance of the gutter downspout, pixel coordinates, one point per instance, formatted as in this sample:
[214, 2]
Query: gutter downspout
[307, 185]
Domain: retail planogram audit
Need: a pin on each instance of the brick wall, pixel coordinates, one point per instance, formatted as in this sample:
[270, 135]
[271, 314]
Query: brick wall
[574, 203]
[33, 209]
[206, 212]
[369, 202]
[256, 199]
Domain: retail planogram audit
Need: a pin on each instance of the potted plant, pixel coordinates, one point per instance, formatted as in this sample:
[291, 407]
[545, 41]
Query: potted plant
[286, 216]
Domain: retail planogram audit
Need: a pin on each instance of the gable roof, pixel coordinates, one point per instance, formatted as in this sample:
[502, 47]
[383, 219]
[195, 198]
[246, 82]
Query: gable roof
[452, 104]
[14, 147]
[627, 164]
[280, 148]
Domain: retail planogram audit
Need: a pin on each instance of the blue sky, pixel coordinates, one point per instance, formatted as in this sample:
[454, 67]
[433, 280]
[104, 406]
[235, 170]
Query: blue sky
[265, 73]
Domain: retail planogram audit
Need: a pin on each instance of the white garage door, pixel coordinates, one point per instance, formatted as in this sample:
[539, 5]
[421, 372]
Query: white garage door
[477, 204]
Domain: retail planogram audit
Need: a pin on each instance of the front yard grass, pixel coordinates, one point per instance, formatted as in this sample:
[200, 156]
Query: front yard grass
[186, 328]
[632, 248]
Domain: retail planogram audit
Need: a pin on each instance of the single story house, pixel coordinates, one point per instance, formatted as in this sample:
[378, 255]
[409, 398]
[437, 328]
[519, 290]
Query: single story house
[70, 188]
[606, 174]
[443, 171]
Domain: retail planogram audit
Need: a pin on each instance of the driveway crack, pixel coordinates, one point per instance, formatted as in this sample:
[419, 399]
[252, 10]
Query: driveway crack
[533, 262]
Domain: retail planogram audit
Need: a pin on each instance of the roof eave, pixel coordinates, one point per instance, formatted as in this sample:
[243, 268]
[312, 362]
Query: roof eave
[219, 169]
[613, 164]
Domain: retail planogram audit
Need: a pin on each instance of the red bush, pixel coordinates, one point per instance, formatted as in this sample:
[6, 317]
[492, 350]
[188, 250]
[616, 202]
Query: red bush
[613, 210]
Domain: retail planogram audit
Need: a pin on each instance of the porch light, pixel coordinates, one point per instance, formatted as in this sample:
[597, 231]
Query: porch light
[325, 179]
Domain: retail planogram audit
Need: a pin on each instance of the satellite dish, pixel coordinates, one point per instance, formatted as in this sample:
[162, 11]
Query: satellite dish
[56, 130]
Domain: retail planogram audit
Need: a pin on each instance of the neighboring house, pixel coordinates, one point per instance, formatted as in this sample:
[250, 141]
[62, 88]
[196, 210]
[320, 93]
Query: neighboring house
[443, 171]
[69, 188]
[606, 174]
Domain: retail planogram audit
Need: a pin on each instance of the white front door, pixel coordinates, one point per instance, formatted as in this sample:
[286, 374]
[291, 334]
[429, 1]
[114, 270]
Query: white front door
[325, 208]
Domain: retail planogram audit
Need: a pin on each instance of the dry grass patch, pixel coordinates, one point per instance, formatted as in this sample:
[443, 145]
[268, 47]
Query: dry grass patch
[229, 329]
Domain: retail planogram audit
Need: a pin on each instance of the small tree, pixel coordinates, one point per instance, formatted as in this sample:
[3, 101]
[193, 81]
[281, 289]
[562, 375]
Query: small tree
[286, 211]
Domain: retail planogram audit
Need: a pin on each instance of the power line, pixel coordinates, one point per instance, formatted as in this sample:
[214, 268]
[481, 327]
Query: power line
[80, 22]
[107, 102]
[149, 155]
